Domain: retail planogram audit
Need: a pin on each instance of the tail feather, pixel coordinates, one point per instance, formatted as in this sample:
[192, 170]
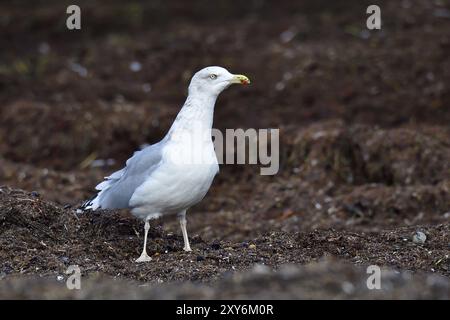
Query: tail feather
[96, 201]
[91, 204]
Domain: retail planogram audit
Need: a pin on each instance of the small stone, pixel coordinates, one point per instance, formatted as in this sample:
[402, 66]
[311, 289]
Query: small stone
[200, 258]
[252, 246]
[35, 194]
[135, 66]
[419, 237]
[60, 278]
[67, 206]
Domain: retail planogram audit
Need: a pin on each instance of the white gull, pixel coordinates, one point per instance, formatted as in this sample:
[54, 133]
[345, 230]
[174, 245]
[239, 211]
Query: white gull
[172, 175]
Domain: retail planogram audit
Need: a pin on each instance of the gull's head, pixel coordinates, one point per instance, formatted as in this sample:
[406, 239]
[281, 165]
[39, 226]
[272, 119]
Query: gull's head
[213, 80]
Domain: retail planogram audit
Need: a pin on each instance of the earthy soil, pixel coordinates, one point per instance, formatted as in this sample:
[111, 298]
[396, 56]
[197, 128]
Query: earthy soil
[364, 139]
[326, 279]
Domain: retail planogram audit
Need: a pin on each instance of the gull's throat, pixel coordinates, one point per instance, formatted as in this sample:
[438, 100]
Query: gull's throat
[197, 111]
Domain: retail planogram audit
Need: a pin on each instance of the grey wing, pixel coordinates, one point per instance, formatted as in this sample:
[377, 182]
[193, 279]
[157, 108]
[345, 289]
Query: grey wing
[116, 190]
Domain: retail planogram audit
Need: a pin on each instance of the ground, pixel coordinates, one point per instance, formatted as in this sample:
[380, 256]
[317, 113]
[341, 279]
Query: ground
[364, 142]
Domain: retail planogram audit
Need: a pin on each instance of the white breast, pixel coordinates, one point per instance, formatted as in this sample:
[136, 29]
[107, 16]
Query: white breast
[182, 180]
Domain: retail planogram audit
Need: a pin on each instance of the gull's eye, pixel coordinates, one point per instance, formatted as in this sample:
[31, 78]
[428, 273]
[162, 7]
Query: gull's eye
[213, 76]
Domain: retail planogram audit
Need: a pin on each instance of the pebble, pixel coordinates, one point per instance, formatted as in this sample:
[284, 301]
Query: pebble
[135, 66]
[200, 258]
[78, 69]
[35, 194]
[419, 237]
[252, 246]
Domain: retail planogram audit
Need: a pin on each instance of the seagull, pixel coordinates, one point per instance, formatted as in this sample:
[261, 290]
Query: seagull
[168, 177]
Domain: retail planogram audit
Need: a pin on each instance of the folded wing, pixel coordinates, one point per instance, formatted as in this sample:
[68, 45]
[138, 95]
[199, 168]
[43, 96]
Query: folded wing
[116, 190]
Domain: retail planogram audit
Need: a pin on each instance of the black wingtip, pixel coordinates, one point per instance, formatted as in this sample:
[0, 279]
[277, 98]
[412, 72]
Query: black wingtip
[86, 203]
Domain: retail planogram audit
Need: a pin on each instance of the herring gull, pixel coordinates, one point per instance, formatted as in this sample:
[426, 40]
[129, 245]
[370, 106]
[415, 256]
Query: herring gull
[170, 176]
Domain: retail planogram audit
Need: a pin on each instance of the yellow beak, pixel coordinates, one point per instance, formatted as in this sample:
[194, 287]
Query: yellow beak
[240, 78]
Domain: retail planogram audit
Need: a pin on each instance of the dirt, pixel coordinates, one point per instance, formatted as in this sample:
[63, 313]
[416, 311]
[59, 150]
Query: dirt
[337, 281]
[364, 142]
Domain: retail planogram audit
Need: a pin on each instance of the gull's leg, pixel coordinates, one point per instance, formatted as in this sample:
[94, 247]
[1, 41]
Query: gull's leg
[182, 218]
[144, 256]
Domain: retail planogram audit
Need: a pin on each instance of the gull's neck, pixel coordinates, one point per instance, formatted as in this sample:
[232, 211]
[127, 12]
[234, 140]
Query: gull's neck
[197, 111]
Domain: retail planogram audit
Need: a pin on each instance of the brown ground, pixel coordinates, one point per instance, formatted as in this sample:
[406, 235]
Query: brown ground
[365, 148]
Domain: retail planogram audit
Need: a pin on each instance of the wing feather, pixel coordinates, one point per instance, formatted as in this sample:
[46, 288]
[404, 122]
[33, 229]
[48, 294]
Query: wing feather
[116, 190]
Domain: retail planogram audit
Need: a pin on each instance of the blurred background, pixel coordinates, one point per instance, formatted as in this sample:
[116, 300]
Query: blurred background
[119, 81]
[363, 114]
